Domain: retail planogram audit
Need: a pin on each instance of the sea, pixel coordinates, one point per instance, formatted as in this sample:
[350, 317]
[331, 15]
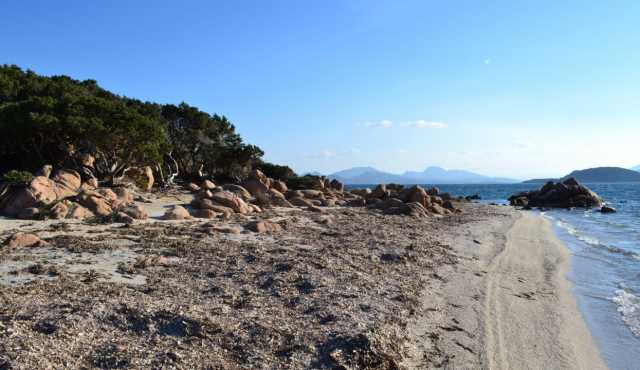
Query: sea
[605, 262]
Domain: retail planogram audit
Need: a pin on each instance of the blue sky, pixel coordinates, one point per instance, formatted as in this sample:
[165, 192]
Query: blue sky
[504, 88]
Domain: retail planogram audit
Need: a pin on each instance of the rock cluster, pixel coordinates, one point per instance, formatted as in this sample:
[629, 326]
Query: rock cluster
[66, 196]
[399, 200]
[260, 191]
[567, 194]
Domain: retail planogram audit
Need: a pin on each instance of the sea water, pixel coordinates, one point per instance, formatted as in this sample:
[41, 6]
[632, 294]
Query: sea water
[605, 264]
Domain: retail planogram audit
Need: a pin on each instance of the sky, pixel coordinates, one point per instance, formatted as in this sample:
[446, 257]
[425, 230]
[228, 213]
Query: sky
[504, 88]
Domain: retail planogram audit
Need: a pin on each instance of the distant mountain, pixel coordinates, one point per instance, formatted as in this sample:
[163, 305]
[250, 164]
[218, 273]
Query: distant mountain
[599, 174]
[365, 175]
[636, 168]
[432, 175]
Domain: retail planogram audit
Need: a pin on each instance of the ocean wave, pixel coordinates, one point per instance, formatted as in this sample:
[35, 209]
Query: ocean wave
[629, 309]
[595, 242]
[567, 227]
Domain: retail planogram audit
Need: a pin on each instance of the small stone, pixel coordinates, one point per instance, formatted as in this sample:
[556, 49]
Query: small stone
[177, 213]
[23, 240]
[263, 227]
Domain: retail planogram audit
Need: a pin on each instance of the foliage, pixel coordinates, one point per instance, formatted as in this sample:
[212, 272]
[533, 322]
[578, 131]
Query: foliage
[49, 120]
[207, 144]
[17, 177]
[275, 171]
[304, 182]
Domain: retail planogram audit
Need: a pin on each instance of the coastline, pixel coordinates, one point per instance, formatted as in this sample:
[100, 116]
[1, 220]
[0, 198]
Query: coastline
[508, 303]
[531, 315]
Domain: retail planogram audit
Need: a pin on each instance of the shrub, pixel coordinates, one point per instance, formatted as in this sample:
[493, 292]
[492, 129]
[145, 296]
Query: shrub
[17, 177]
[275, 171]
[304, 182]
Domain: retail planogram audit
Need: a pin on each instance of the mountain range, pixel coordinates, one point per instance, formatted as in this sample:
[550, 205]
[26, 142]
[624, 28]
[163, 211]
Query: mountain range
[599, 174]
[431, 175]
[636, 168]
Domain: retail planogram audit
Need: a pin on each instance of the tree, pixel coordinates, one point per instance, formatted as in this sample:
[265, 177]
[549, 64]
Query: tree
[49, 120]
[206, 145]
[276, 171]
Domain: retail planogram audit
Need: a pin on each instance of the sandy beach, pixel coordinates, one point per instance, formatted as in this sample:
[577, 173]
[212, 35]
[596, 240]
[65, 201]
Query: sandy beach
[350, 288]
[507, 304]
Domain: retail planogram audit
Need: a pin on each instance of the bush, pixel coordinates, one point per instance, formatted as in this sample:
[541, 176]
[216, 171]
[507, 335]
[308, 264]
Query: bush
[17, 177]
[275, 171]
[304, 182]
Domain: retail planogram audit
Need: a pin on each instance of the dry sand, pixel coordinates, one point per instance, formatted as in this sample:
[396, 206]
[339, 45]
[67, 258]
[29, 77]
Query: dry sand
[507, 304]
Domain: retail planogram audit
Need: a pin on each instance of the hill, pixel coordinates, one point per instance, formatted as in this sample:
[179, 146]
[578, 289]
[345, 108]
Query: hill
[599, 174]
[636, 168]
[431, 175]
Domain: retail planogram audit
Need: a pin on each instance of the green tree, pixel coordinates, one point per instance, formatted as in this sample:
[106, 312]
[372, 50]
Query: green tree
[48, 120]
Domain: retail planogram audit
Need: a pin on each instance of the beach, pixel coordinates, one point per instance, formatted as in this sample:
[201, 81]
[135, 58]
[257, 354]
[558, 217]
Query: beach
[531, 317]
[350, 287]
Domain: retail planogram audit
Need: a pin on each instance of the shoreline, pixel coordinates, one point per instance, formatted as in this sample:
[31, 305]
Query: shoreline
[531, 315]
[508, 303]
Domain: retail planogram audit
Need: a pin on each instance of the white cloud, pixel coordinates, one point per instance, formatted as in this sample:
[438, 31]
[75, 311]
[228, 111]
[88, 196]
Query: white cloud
[330, 153]
[425, 124]
[385, 123]
[327, 153]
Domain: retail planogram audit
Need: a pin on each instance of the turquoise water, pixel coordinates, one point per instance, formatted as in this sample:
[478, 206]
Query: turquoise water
[605, 265]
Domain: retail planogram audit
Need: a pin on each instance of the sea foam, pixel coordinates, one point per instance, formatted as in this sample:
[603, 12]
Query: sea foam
[629, 309]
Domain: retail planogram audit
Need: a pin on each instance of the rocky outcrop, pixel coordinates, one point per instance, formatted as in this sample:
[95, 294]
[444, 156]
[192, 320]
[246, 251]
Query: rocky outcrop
[223, 202]
[397, 200]
[566, 194]
[41, 191]
[229, 199]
